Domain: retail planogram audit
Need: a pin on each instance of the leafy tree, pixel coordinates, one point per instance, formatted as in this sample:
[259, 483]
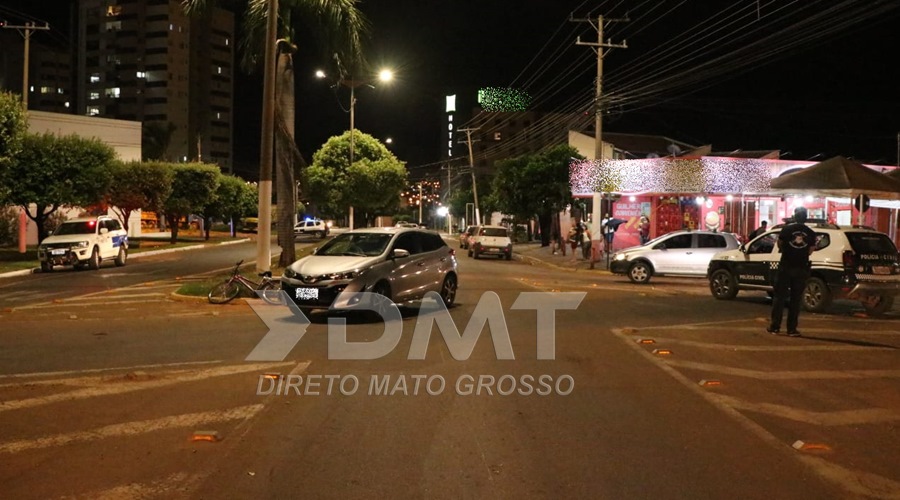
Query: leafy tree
[53, 171]
[373, 183]
[535, 184]
[12, 132]
[336, 22]
[235, 198]
[139, 186]
[194, 187]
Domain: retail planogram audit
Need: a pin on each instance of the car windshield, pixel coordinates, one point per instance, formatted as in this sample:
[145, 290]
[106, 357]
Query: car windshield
[493, 231]
[356, 244]
[871, 243]
[80, 227]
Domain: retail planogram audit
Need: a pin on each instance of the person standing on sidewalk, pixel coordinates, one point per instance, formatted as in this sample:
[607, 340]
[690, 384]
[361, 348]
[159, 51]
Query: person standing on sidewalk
[796, 242]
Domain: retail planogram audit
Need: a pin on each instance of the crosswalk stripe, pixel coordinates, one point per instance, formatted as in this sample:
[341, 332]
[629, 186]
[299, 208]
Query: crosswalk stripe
[133, 386]
[134, 428]
[785, 375]
[825, 418]
[111, 369]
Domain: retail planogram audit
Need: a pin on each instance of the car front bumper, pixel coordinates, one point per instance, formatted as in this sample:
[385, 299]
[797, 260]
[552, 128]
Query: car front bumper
[619, 266]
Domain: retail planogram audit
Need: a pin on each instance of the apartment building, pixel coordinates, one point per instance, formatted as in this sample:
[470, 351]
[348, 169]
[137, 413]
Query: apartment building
[145, 60]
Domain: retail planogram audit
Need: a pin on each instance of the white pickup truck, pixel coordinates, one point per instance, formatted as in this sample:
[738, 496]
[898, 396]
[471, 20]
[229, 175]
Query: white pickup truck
[316, 227]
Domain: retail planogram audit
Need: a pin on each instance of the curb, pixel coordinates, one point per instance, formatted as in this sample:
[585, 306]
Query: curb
[36, 270]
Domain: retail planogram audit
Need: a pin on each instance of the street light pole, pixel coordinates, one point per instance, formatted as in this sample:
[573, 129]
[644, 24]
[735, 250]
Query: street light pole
[264, 226]
[26, 34]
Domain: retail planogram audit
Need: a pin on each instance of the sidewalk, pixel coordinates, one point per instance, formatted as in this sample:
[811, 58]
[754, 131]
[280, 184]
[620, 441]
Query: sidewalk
[534, 253]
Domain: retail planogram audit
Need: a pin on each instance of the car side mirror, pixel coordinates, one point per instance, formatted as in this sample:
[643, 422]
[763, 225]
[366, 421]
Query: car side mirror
[743, 248]
[399, 253]
[104, 230]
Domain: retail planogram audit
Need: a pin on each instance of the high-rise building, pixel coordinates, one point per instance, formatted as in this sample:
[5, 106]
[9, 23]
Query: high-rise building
[146, 60]
[49, 74]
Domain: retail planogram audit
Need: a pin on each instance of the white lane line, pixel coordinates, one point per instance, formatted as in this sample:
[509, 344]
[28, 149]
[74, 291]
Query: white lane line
[132, 386]
[113, 369]
[857, 482]
[134, 428]
[824, 418]
[161, 488]
[785, 375]
[762, 348]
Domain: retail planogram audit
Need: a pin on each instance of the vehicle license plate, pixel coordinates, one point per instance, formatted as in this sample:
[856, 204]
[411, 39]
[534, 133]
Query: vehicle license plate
[59, 251]
[881, 270]
[306, 293]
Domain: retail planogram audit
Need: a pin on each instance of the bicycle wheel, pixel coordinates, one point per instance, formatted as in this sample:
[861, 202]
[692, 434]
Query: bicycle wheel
[271, 293]
[224, 292]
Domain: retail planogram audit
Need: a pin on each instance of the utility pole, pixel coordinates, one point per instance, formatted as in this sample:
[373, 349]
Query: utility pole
[598, 46]
[421, 203]
[25, 31]
[468, 132]
[264, 217]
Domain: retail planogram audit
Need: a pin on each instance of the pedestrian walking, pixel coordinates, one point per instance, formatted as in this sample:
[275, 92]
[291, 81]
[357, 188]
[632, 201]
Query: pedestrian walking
[586, 242]
[796, 242]
[574, 237]
[644, 229]
[763, 227]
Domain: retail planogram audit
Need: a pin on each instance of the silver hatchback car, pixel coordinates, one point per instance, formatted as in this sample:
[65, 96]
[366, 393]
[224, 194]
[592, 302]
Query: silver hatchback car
[678, 253]
[403, 264]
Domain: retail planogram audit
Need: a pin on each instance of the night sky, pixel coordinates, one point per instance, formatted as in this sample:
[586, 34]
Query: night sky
[809, 78]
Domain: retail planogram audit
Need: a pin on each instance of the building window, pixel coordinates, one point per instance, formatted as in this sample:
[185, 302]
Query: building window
[227, 41]
[219, 70]
[94, 96]
[59, 91]
[113, 10]
[114, 26]
[93, 110]
[497, 136]
[113, 92]
[171, 26]
[141, 74]
[66, 104]
[218, 115]
[95, 77]
[46, 90]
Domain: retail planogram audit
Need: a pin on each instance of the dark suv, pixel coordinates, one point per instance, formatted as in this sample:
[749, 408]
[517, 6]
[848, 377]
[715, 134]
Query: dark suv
[850, 262]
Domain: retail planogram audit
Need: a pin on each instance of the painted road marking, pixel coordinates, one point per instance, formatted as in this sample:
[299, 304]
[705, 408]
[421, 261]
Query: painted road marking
[785, 375]
[113, 369]
[134, 428]
[823, 418]
[766, 348]
[133, 386]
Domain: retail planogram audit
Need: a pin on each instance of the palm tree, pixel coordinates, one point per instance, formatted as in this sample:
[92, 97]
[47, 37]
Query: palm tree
[340, 25]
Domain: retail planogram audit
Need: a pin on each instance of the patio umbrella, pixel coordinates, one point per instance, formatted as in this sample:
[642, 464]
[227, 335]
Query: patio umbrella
[839, 177]
[615, 223]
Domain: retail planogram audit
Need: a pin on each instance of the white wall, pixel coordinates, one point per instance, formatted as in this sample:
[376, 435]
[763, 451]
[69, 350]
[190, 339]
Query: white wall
[122, 135]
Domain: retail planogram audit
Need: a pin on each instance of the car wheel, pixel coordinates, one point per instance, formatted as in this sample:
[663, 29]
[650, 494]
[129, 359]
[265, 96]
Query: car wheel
[722, 285]
[640, 272]
[121, 257]
[383, 289]
[46, 267]
[816, 295]
[876, 305]
[94, 261]
[448, 290]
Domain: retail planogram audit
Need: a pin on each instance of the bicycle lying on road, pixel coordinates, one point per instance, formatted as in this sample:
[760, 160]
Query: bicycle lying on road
[231, 288]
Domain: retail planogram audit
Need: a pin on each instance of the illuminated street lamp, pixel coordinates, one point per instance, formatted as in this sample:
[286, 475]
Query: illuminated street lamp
[384, 75]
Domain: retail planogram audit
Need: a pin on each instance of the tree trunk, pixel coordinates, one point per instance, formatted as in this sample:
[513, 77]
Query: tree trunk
[545, 220]
[284, 157]
[173, 227]
[207, 222]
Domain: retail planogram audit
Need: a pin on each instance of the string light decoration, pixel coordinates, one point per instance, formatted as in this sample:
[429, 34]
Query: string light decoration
[672, 175]
[495, 99]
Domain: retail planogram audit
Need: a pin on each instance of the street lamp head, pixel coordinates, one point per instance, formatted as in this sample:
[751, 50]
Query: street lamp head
[386, 75]
[320, 74]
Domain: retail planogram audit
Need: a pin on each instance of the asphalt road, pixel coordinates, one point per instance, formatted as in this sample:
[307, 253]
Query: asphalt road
[107, 400]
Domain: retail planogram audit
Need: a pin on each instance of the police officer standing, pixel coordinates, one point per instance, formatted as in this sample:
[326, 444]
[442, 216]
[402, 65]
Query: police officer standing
[796, 242]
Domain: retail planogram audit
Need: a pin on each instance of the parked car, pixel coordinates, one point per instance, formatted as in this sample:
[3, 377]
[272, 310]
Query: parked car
[85, 241]
[406, 224]
[491, 240]
[678, 253]
[400, 263]
[850, 262]
[317, 227]
[466, 236]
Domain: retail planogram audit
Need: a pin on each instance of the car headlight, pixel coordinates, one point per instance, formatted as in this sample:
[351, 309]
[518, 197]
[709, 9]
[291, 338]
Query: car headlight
[619, 256]
[81, 244]
[348, 275]
[289, 273]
